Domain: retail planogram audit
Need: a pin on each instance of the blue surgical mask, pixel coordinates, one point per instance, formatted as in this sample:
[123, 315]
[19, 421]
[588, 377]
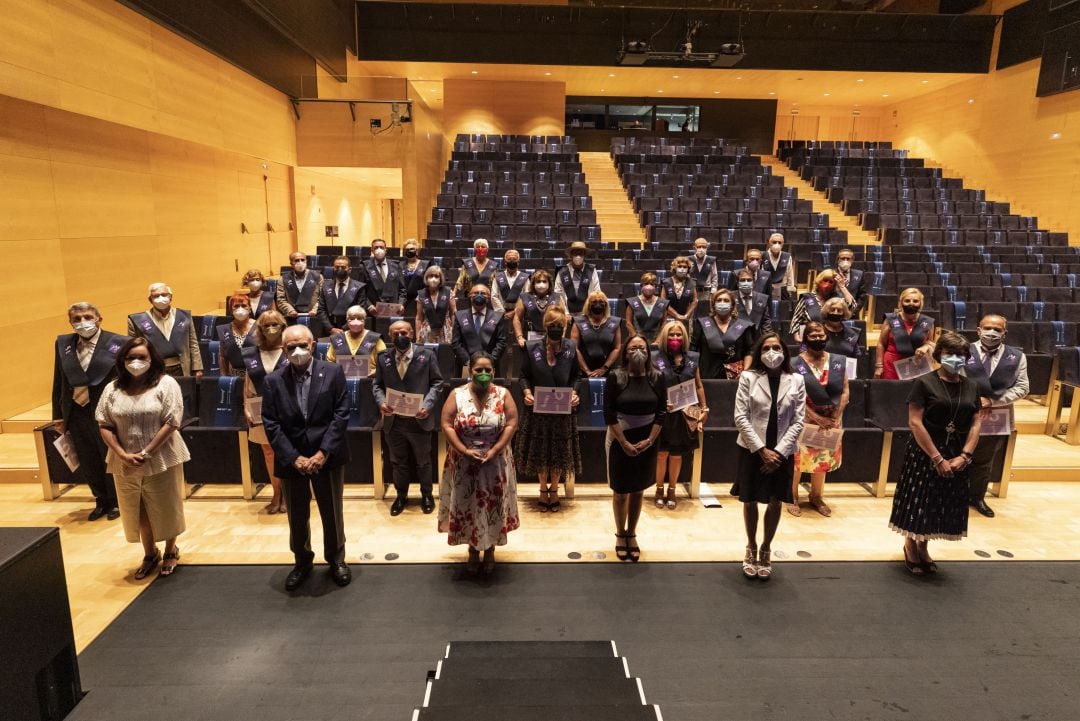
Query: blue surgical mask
[746, 285]
[722, 308]
[952, 363]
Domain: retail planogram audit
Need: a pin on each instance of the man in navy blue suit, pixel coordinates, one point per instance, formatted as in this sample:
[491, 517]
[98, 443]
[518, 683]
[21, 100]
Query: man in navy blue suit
[305, 410]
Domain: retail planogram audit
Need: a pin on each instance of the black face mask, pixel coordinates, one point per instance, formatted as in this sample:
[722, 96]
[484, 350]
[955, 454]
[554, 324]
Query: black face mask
[402, 342]
[410, 252]
[911, 309]
[511, 265]
[818, 344]
[479, 301]
[554, 332]
[597, 308]
[341, 273]
[835, 318]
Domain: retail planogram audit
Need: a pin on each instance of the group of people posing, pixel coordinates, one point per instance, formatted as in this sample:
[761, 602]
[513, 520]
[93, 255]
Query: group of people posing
[117, 398]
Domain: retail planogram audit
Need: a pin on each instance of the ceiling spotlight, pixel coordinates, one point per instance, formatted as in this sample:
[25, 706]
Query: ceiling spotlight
[659, 91]
[738, 77]
[924, 82]
[674, 77]
[547, 73]
[971, 101]
[859, 80]
[475, 72]
[1055, 136]
[716, 92]
[772, 93]
[827, 94]
[884, 95]
[611, 75]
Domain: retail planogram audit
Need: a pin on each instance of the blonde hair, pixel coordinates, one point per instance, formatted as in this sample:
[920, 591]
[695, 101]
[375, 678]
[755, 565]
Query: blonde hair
[555, 314]
[662, 336]
[435, 270]
[679, 260]
[599, 295]
[731, 296]
[906, 292]
[269, 317]
[827, 274]
[648, 278]
[836, 302]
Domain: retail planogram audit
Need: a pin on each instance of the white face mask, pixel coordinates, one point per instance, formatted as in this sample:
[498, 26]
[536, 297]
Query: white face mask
[300, 356]
[699, 252]
[137, 366]
[356, 325]
[299, 266]
[85, 329]
[540, 287]
[161, 302]
[845, 265]
[433, 282]
[255, 286]
[772, 358]
[991, 338]
[682, 272]
[241, 314]
[379, 253]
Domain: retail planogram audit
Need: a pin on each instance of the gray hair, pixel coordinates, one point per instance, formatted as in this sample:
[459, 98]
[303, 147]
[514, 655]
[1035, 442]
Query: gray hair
[82, 306]
[302, 330]
[435, 269]
[155, 285]
[479, 240]
[356, 310]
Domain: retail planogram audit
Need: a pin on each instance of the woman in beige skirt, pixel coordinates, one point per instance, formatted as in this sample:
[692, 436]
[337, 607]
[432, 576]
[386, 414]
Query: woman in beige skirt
[260, 361]
[139, 414]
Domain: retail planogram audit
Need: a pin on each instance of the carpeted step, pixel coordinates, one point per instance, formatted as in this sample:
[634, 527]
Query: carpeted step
[477, 693]
[549, 668]
[531, 649]
[540, 713]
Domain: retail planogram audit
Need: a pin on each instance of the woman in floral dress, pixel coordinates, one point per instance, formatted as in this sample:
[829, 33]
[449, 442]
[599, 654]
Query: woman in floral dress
[825, 375]
[478, 492]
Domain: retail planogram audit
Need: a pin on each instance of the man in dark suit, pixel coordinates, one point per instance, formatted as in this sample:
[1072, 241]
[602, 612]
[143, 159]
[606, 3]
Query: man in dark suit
[338, 295]
[85, 363]
[752, 262]
[751, 304]
[408, 368]
[479, 328]
[305, 410]
[849, 280]
[385, 282]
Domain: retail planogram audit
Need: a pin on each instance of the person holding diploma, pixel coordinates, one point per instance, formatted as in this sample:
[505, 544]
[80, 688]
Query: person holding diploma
[723, 339]
[932, 493]
[356, 342]
[635, 403]
[478, 491]
[904, 334]
[770, 408]
[1000, 371]
[548, 445]
[825, 377]
[138, 416]
[413, 369]
[435, 308]
[646, 312]
[262, 360]
[677, 364]
[598, 335]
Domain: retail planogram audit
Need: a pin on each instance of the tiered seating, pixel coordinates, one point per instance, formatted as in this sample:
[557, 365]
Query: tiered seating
[786, 148]
[514, 188]
[713, 189]
[908, 203]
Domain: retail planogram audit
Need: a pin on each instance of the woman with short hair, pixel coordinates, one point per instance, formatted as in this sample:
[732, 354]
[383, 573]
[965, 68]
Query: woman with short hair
[810, 305]
[646, 312]
[139, 414]
[931, 498]
[723, 340]
[435, 308]
[680, 290]
[234, 337]
[260, 292]
[265, 358]
[528, 318]
[679, 436]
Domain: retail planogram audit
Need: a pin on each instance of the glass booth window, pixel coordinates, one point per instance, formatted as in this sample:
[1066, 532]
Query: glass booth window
[679, 118]
[630, 117]
[586, 116]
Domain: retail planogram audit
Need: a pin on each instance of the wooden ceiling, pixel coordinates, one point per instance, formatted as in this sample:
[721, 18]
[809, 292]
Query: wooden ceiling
[788, 87]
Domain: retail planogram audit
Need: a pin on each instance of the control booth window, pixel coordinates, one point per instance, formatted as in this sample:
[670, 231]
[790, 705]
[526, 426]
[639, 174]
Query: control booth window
[649, 118]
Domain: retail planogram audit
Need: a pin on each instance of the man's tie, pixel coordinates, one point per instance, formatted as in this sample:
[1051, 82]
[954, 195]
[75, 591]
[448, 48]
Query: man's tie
[988, 362]
[382, 271]
[402, 365]
[478, 321]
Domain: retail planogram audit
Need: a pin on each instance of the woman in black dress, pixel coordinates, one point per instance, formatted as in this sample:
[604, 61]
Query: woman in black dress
[547, 446]
[532, 305]
[677, 364]
[723, 339]
[842, 339]
[646, 312]
[598, 335]
[680, 291]
[931, 499]
[770, 408]
[635, 403]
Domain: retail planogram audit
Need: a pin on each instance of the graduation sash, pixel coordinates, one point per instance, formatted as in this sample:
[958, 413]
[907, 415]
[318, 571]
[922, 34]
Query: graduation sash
[227, 339]
[691, 360]
[102, 361]
[828, 395]
[477, 339]
[720, 343]
[647, 324]
[1003, 378]
[166, 347]
[597, 343]
[255, 370]
[510, 293]
[576, 294]
[557, 376]
[301, 297]
[907, 343]
[435, 313]
[341, 348]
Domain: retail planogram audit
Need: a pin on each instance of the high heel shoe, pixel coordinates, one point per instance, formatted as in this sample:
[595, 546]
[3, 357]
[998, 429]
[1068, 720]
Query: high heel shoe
[553, 501]
[764, 568]
[749, 564]
[544, 506]
[473, 564]
[620, 551]
[634, 551]
[659, 500]
[914, 567]
[671, 502]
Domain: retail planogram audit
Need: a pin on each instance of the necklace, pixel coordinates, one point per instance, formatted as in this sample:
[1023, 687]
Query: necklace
[950, 427]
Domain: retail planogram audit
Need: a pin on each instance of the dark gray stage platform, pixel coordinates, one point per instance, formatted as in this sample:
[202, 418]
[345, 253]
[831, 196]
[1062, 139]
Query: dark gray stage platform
[851, 641]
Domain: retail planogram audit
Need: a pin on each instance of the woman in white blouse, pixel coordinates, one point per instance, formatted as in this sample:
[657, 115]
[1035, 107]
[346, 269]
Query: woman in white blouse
[139, 414]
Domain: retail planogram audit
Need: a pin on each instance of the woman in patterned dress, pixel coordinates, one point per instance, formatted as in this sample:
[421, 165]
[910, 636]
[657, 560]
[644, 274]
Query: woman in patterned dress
[478, 492]
[435, 308]
[827, 396]
[931, 499]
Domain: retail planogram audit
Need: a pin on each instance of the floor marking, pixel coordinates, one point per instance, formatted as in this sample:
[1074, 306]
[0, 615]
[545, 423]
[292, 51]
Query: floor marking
[438, 670]
[427, 694]
[447, 654]
[625, 667]
[641, 691]
[614, 651]
[658, 716]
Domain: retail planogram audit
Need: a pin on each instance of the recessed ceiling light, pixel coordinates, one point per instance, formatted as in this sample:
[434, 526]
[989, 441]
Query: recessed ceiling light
[738, 77]
[884, 95]
[716, 92]
[859, 80]
[475, 72]
[828, 94]
[611, 75]
[924, 82]
[547, 73]
[971, 101]
[674, 77]
[659, 91]
[772, 93]
[1055, 136]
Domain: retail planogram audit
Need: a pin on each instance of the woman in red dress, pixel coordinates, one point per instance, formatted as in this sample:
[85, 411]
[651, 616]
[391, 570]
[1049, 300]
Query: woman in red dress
[904, 334]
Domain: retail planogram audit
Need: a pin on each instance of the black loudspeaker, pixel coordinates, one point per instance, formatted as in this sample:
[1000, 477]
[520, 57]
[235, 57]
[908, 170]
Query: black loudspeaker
[38, 662]
[1060, 69]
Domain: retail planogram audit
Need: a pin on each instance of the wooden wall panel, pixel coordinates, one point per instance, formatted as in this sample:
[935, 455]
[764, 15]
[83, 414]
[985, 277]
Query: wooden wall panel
[997, 135]
[352, 206]
[422, 184]
[26, 204]
[492, 106]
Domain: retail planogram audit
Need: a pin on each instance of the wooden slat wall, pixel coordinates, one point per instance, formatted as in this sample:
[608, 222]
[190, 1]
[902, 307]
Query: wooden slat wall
[352, 206]
[494, 106]
[1001, 141]
[128, 155]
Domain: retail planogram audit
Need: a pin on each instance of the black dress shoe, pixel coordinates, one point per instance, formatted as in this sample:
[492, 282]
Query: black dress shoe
[97, 513]
[340, 573]
[984, 509]
[398, 505]
[296, 577]
[427, 504]
[113, 513]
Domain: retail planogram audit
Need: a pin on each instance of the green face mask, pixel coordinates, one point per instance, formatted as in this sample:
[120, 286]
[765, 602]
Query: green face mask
[482, 378]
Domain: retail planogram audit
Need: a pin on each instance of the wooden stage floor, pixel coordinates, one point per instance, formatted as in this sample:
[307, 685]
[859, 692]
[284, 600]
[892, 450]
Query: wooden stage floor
[1038, 521]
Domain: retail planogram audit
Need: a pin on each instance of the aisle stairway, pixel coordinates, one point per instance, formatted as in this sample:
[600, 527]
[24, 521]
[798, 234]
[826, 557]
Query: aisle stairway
[856, 235]
[534, 681]
[614, 212]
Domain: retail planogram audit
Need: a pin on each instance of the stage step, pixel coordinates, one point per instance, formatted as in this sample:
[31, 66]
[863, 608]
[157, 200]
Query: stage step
[531, 668]
[531, 649]
[533, 692]
[540, 713]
